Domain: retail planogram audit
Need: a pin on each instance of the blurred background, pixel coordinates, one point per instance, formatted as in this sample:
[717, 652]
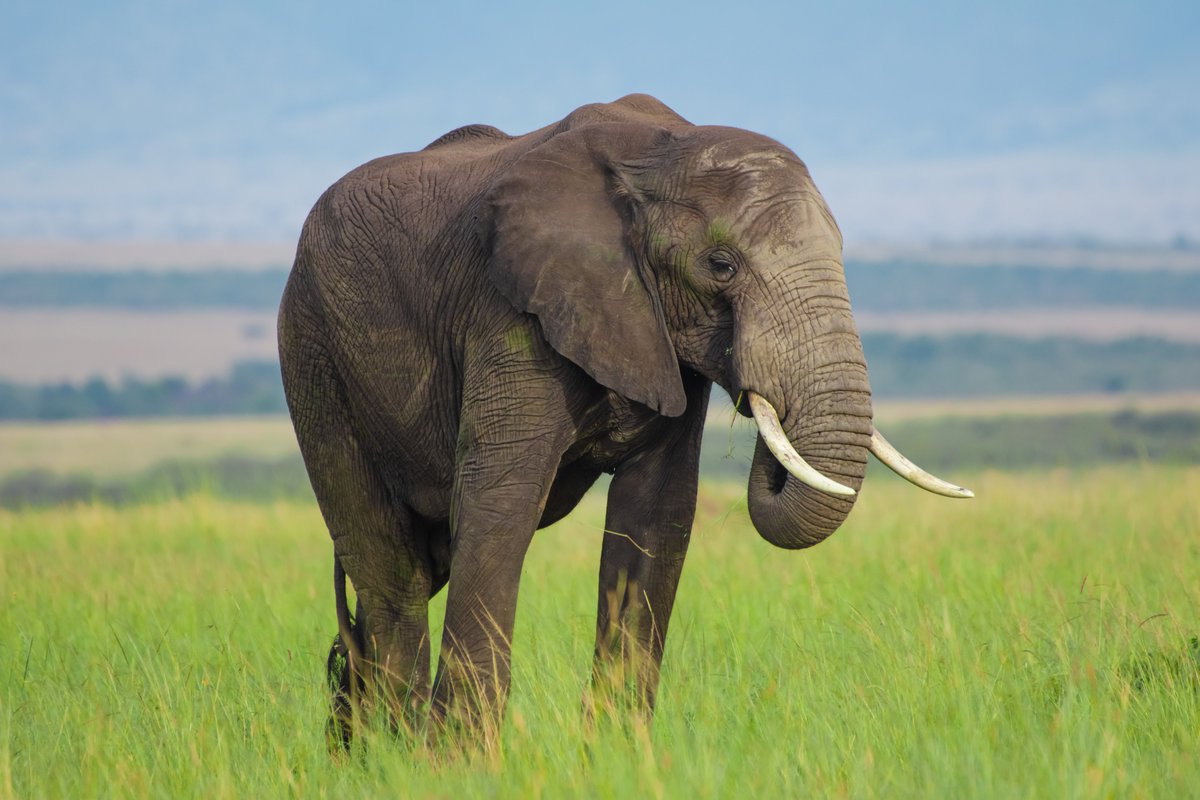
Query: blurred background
[1018, 185]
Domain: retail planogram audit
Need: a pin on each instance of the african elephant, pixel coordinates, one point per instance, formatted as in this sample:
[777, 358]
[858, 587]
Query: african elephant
[472, 333]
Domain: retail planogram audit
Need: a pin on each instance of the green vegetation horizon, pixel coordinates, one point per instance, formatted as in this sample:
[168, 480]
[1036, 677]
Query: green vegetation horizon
[257, 460]
[894, 285]
[969, 365]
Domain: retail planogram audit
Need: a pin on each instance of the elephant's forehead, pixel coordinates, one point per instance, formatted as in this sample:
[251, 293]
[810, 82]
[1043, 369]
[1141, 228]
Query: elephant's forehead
[753, 157]
[777, 223]
[756, 191]
[777, 215]
[750, 173]
[761, 195]
[745, 175]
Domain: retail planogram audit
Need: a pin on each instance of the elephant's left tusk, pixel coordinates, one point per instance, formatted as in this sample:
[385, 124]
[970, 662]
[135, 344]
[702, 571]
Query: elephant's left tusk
[772, 433]
[897, 463]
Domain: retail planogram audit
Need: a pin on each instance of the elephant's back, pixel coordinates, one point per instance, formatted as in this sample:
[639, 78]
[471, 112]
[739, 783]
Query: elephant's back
[395, 272]
[470, 136]
[404, 202]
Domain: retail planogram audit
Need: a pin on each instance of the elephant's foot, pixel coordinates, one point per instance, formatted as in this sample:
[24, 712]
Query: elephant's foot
[624, 685]
[468, 705]
[361, 695]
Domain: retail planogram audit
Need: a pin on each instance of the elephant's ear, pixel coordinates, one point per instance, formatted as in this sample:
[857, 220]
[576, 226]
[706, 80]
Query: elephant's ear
[559, 227]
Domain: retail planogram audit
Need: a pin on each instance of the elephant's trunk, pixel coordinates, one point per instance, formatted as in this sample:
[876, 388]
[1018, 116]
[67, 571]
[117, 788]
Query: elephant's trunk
[810, 368]
[787, 512]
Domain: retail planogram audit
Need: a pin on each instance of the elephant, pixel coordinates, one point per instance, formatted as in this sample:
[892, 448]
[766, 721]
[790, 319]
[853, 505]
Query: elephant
[472, 333]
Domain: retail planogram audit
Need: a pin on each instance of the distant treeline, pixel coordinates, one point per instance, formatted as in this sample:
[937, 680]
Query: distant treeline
[233, 477]
[907, 286]
[1064, 440]
[900, 367]
[250, 388]
[144, 290]
[874, 286]
[951, 446]
[976, 365]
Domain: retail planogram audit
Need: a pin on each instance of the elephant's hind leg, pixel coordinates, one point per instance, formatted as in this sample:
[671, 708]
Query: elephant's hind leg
[375, 540]
[386, 560]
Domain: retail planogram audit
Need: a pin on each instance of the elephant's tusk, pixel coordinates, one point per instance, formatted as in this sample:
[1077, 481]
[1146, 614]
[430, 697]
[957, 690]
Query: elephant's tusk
[897, 463]
[772, 433]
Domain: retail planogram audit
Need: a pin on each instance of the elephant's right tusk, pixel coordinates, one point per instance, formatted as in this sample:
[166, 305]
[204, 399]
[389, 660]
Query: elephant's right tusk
[894, 460]
[772, 432]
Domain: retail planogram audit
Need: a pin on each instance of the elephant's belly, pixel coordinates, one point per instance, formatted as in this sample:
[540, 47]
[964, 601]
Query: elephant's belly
[570, 485]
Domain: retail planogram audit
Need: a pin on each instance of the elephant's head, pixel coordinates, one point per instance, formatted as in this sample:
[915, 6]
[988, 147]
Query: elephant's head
[644, 244]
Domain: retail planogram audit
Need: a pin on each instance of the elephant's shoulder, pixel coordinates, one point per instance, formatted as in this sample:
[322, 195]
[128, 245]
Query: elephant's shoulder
[469, 134]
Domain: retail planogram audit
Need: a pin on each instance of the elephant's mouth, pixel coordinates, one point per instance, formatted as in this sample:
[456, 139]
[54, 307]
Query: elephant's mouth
[741, 403]
[788, 462]
[772, 433]
[778, 478]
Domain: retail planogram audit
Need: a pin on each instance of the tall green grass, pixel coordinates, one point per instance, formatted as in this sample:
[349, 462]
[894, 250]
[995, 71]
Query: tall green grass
[1038, 641]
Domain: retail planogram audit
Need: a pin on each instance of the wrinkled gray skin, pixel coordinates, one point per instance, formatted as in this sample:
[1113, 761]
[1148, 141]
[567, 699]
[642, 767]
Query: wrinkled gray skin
[472, 333]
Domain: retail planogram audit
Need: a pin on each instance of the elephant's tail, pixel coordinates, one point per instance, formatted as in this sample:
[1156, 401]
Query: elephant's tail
[342, 668]
[345, 623]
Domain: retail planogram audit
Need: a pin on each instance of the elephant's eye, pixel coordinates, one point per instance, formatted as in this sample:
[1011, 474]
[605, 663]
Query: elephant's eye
[722, 265]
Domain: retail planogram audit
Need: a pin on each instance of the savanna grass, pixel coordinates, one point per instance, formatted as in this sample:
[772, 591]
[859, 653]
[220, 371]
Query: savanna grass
[1036, 642]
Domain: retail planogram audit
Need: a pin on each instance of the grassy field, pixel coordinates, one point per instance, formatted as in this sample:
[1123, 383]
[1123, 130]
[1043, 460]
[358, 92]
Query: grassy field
[1038, 641]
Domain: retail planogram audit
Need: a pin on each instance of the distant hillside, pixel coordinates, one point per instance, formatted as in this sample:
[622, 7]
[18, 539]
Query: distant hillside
[981, 365]
[143, 289]
[907, 285]
[901, 367]
[949, 444]
[946, 322]
[874, 286]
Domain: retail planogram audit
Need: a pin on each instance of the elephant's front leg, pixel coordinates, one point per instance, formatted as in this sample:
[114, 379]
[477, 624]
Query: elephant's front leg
[651, 507]
[508, 455]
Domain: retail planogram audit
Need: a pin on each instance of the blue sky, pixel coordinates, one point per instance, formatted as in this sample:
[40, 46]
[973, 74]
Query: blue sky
[948, 121]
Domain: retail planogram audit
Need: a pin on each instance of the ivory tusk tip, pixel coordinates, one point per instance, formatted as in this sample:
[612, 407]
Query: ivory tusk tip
[894, 460]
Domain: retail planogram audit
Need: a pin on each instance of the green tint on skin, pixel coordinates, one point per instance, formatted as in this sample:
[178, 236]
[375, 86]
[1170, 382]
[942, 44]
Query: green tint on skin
[519, 340]
[719, 232]
[605, 255]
